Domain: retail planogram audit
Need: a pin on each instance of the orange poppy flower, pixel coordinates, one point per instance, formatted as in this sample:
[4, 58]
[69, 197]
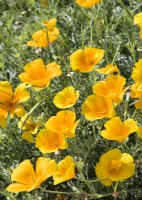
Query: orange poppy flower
[114, 166]
[87, 3]
[66, 170]
[39, 75]
[85, 60]
[66, 98]
[48, 141]
[137, 72]
[97, 107]
[27, 179]
[43, 38]
[10, 102]
[108, 69]
[118, 130]
[63, 123]
[111, 88]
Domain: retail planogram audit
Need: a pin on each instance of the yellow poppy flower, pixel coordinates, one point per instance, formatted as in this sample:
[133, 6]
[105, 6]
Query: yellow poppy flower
[66, 170]
[137, 72]
[2, 119]
[43, 38]
[30, 128]
[87, 3]
[114, 166]
[141, 32]
[66, 98]
[118, 130]
[85, 60]
[97, 107]
[136, 92]
[10, 102]
[39, 75]
[63, 123]
[139, 132]
[138, 104]
[27, 179]
[138, 19]
[51, 24]
[48, 141]
[111, 88]
[108, 69]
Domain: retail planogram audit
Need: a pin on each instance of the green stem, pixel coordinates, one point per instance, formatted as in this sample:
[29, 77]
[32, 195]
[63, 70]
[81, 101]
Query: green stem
[57, 192]
[91, 31]
[63, 42]
[116, 186]
[33, 109]
[6, 194]
[115, 56]
[125, 8]
[48, 47]
[124, 144]
[126, 105]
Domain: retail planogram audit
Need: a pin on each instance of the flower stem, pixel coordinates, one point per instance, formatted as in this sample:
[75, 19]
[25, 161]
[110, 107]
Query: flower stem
[115, 56]
[126, 105]
[57, 192]
[34, 108]
[125, 8]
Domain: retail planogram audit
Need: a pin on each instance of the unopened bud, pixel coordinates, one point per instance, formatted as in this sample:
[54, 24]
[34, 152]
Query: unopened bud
[57, 153]
[115, 194]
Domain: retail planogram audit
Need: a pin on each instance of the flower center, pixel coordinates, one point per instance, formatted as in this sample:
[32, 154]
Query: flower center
[115, 166]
